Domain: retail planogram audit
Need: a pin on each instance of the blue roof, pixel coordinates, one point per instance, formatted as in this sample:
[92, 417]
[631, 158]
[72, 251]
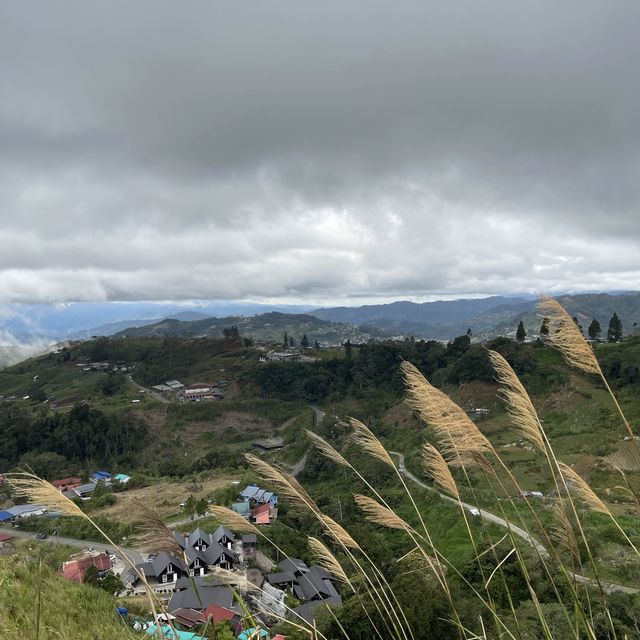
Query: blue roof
[253, 633]
[102, 474]
[4, 516]
[168, 632]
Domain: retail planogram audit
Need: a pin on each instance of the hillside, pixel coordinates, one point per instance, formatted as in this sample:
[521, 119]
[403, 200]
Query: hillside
[266, 327]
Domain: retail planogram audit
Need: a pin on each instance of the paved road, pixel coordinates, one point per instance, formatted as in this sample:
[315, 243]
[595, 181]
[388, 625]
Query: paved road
[495, 519]
[153, 394]
[136, 555]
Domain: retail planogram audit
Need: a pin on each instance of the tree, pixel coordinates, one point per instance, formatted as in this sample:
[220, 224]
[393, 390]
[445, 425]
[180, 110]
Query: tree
[469, 333]
[594, 329]
[615, 328]
[347, 349]
[316, 344]
[304, 343]
[231, 332]
[285, 340]
[521, 334]
[292, 342]
[544, 327]
[575, 319]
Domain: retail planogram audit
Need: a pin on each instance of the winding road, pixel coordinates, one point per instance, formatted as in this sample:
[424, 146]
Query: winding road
[477, 512]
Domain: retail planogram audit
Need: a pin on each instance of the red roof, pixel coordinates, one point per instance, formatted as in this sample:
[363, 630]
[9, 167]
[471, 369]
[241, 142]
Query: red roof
[263, 508]
[189, 617]
[74, 570]
[218, 613]
[65, 482]
[5, 536]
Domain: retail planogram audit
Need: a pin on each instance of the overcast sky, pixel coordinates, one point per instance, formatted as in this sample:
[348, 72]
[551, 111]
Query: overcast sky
[324, 152]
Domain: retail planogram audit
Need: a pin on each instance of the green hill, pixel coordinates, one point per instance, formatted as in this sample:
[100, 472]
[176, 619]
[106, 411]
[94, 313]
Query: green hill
[266, 327]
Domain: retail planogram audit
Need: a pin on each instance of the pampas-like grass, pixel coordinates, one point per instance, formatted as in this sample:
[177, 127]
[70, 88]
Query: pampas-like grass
[338, 532]
[327, 450]
[367, 440]
[156, 537]
[581, 488]
[461, 442]
[287, 485]
[562, 532]
[436, 467]
[232, 519]
[518, 402]
[34, 489]
[326, 559]
[565, 336]
[379, 514]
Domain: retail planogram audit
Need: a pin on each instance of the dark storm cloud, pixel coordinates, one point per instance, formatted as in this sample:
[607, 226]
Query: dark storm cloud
[317, 150]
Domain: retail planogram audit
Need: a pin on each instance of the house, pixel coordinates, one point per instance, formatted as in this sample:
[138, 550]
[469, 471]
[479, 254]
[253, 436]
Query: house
[253, 634]
[249, 545]
[224, 537]
[189, 617]
[5, 516]
[282, 580]
[202, 597]
[206, 550]
[26, 511]
[314, 585]
[199, 391]
[254, 493]
[84, 490]
[4, 537]
[170, 633]
[105, 476]
[262, 514]
[75, 570]
[67, 483]
[294, 565]
[161, 388]
[242, 508]
[269, 444]
[161, 572]
[215, 613]
[307, 610]
[122, 478]
[174, 385]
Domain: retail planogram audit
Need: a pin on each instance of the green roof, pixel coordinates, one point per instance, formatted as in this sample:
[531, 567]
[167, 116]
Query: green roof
[240, 507]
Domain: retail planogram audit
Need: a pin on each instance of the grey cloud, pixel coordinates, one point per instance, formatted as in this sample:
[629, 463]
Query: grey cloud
[275, 150]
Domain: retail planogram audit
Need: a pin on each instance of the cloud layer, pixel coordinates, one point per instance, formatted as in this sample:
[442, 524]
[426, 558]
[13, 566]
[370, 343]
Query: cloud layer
[319, 152]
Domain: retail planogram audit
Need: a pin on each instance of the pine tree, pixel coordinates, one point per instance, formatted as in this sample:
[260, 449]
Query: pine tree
[304, 343]
[594, 329]
[285, 340]
[615, 328]
[521, 334]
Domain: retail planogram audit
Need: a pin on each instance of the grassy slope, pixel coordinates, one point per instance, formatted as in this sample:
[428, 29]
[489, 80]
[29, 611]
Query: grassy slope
[69, 611]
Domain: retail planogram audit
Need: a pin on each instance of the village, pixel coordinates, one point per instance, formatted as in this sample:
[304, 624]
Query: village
[207, 578]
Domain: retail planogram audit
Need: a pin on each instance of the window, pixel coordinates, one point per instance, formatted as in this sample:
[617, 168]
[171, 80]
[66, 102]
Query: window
[169, 568]
[164, 577]
[191, 572]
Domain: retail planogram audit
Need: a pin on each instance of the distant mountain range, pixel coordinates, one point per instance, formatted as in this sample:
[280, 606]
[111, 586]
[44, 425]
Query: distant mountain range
[486, 317]
[439, 320]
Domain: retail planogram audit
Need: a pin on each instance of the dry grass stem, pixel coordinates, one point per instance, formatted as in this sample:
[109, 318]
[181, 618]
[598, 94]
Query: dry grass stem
[232, 519]
[562, 532]
[581, 488]
[461, 441]
[327, 450]
[38, 491]
[371, 444]
[326, 559]
[287, 485]
[156, 537]
[518, 402]
[379, 514]
[565, 336]
[436, 467]
[338, 532]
